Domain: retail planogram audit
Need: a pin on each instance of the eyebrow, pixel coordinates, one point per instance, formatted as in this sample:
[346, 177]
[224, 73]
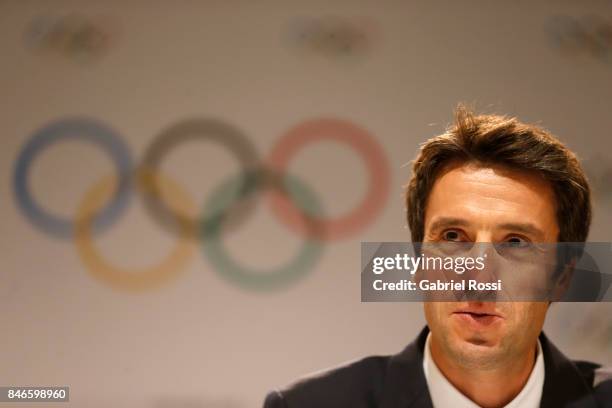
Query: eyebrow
[447, 222]
[525, 228]
[444, 222]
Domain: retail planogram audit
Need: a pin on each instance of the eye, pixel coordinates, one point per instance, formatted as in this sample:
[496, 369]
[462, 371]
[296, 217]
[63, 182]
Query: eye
[516, 241]
[451, 235]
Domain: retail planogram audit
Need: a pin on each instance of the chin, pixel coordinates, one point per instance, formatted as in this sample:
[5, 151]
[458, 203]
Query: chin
[481, 336]
[476, 353]
[481, 339]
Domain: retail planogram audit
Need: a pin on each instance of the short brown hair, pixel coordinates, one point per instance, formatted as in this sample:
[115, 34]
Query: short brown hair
[502, 140]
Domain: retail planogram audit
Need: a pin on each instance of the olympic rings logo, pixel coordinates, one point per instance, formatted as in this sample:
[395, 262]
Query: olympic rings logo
[80, 37]
[587, 35]
[292, 201]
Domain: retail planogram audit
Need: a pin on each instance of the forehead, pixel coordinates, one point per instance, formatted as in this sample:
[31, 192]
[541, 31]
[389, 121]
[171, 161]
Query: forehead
[487, 196]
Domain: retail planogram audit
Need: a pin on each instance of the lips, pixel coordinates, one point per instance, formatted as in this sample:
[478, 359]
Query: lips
[477, 318]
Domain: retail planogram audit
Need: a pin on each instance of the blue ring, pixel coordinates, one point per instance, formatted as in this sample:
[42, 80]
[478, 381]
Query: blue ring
[81, 129]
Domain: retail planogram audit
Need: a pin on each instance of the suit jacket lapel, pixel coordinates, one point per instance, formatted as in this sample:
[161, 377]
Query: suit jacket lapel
[562, 382]
[405, 384]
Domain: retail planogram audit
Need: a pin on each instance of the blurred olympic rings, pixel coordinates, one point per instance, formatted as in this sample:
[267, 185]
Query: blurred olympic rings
[208, 130]
[228, 206]
[83, 129]
[297, 192]
[119, 277]
[364, 145]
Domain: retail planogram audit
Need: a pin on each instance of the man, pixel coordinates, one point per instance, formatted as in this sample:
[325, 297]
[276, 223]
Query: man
[488, 179]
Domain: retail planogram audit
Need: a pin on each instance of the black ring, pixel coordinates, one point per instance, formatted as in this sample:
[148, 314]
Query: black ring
[213, 130]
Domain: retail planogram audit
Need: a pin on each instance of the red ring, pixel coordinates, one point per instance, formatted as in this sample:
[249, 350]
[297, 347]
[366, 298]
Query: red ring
[364, 144]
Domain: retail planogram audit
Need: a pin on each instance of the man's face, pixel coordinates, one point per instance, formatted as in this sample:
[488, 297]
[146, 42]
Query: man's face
[471, 203]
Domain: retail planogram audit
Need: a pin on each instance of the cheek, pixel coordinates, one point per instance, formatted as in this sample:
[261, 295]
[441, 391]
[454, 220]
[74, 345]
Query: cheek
[431, 314]
[435, 313]
[528, 316]
[539, 310]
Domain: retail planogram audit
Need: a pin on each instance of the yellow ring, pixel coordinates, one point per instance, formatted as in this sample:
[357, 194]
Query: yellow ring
[137, 279]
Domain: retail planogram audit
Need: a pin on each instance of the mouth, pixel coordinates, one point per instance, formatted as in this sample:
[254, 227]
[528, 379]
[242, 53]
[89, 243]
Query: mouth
[477, 318]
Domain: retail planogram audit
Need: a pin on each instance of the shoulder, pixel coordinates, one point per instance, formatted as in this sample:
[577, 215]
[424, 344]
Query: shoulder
[599, 378]
[356, 384]
[602, 383]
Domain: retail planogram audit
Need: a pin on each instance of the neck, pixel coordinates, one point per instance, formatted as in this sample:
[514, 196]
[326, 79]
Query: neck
[491, 387]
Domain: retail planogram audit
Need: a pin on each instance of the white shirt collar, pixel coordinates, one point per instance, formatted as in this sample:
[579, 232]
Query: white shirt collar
[444, 394]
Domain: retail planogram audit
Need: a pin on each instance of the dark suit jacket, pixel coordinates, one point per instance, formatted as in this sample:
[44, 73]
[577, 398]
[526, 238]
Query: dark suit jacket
[398, 381]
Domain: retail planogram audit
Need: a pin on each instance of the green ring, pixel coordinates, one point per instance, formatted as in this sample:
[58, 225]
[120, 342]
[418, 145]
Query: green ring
[230, 193]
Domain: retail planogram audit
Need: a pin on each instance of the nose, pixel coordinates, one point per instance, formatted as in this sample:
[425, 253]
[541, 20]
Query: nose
[484, 249]
[484, 236]
[483, 245]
